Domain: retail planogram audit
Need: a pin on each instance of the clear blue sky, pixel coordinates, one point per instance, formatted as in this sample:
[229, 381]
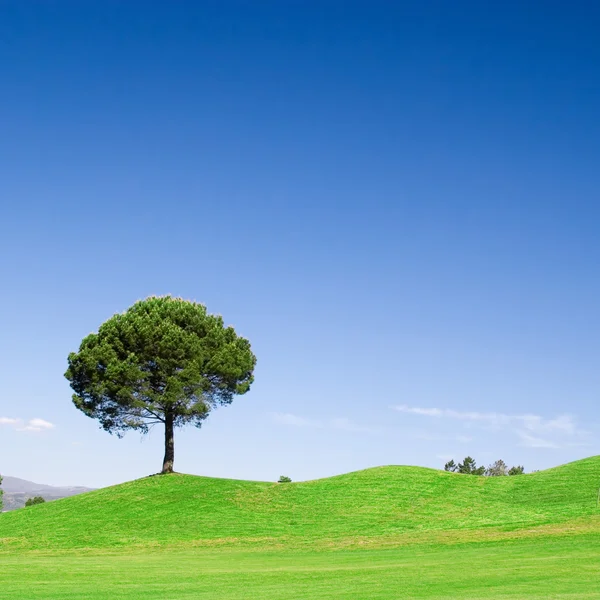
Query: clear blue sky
[397, 203]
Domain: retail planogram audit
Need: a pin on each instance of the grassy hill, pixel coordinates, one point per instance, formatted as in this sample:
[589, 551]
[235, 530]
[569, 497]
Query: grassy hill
[380, 507]
[381, 534]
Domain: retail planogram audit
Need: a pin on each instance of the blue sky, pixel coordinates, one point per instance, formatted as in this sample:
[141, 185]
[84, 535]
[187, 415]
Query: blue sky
[397, 203]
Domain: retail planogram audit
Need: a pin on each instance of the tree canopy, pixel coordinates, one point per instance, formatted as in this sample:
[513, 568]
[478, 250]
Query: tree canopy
[163, 361]
[469, 467]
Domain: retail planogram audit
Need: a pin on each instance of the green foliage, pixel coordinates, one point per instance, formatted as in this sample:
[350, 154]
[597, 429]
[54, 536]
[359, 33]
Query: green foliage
[519, 470]
[164, 360]
[469, 467]
[35, 500]
[451, 466]
[284, 479]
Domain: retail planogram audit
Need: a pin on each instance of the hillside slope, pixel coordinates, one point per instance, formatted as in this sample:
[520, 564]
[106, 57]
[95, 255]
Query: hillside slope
[380, 503]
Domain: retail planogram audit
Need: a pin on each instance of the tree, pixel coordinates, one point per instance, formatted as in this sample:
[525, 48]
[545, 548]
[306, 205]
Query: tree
[163, 361]
[469, 467]
[284, 479]
[519, 470]
[498, 469]
[451, 466]
[35, 500]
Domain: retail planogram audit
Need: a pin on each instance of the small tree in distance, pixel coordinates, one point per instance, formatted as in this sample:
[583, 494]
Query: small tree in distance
[469, 467]
[498, 469]
[35, 500]
[451, 466]
[284, 479]
[519, 470]
[163, 361]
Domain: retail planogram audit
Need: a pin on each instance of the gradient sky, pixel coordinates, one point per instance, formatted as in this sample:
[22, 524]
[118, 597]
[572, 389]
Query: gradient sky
[397, 203]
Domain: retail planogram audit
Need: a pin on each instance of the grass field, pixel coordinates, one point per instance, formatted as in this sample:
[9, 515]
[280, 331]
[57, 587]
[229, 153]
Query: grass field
[385, 533]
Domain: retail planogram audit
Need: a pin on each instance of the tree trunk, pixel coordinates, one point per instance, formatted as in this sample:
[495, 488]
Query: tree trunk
[169, 445]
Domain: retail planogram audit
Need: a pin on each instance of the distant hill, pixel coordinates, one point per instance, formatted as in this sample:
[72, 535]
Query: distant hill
[375, 507]
[17, 491]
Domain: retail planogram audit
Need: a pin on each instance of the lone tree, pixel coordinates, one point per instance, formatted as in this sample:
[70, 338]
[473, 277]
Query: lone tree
[164, 360]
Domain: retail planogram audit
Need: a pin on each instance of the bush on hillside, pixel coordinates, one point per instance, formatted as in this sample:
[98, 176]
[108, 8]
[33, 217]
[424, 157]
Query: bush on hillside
[517, 470]
[35, 500]
[284, 479]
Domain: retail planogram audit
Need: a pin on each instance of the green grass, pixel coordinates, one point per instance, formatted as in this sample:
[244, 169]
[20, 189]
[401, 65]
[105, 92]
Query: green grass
[563, 568]
[389, 532]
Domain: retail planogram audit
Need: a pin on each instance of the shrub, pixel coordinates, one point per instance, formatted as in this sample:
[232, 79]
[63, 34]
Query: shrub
[34, 500]
[284, 479]
[517, 470]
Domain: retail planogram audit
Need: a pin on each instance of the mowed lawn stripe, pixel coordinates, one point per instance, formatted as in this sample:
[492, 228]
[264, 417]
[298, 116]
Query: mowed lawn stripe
[562, 568]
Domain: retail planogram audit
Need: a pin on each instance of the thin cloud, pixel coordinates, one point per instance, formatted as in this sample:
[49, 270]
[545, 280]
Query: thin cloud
[33, 425]
[563, 423]
[531, 441]
[37, 425]
[532, 430]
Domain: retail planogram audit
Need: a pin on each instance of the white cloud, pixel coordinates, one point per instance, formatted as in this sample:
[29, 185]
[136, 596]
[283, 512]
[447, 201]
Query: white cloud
[40, 424]
[415, 410]
[34, 425]
[528, 427]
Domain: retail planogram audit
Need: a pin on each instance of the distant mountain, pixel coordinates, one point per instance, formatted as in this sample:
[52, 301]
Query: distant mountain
[17, 491]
